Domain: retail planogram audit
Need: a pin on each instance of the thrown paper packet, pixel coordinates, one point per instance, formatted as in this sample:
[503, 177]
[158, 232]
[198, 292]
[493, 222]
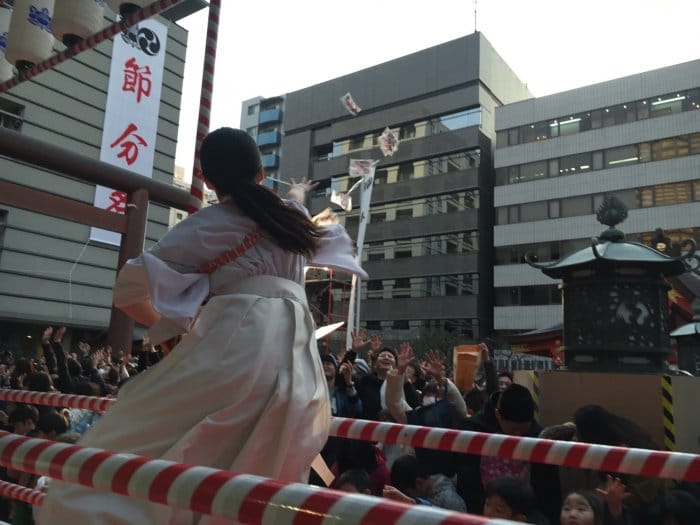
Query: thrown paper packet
[361, 167]
[388, 143]
[350, 104]
[342, 199]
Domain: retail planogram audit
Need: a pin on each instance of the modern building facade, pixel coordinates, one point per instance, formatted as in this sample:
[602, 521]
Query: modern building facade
[556, 157]
[50, 273]
[428, 244]
[263, 119]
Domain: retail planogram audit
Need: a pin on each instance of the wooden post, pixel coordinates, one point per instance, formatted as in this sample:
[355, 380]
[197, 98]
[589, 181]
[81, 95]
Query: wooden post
[121, 326]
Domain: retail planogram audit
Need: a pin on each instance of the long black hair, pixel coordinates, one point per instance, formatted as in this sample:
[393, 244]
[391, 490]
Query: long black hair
[595, 424]
[230, 160]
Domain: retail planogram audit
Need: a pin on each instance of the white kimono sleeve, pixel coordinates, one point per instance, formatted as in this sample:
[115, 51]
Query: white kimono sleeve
[336, 251]
[175, 296]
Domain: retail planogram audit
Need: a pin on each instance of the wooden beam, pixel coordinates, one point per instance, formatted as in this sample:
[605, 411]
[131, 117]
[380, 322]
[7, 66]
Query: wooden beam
[27, 198]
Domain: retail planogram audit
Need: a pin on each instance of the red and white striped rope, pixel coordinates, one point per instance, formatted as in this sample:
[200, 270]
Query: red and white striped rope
[242, 497]
[89, 42]
[55, 399]
[205, 98]
[652, 463]
[20, 493]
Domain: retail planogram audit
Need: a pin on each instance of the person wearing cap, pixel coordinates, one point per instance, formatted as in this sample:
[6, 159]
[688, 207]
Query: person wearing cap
[510, 412]
[345, 401]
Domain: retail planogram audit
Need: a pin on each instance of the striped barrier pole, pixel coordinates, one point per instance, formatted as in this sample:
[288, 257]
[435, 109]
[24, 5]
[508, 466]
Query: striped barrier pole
[536, 394]
[89, 42]
[242, 497]
[20, 493]
[651, 463]
[205, 97]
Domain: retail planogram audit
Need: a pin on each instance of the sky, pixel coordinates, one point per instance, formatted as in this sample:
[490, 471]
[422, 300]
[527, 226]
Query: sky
[278, 46]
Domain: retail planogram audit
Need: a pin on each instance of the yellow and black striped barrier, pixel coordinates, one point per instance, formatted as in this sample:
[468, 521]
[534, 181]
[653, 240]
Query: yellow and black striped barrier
[667, 405]
[536, 393]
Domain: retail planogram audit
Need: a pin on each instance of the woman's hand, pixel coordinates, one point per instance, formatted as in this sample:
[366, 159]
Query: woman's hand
[325, 218]
[298, 190]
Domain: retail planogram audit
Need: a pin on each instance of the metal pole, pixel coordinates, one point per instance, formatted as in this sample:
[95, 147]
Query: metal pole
[121, 326]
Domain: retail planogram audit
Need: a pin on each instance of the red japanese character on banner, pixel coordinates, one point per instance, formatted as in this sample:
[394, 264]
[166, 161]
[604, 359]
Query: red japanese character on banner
[130, 148]
[118, 199]
[137, 79]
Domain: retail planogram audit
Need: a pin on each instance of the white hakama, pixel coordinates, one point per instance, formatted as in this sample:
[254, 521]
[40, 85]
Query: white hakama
[243, 391]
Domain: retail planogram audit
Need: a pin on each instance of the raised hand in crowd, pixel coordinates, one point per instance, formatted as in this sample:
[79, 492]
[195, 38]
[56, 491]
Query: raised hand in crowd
[405, 357]
[84, 348]
[434, 364]
[359, 340]
[58, 334]
[46, 335]
[614, 493]
[485, 355]
[346, 370]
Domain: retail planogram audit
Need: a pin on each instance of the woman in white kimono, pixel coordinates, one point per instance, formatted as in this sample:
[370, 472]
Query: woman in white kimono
[244, 390]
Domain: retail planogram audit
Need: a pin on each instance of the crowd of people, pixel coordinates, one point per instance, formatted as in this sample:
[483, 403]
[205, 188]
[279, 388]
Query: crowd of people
[241, 387]
[376, 382]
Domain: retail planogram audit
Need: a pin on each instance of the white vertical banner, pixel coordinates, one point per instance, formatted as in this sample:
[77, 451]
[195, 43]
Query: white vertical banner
[365, 169]
[131, 112]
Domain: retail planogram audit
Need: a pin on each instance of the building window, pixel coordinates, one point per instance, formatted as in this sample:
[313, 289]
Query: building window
[406, 213]
[554, 212]
[375, 285]
[601, 117]
[666, 104]
[252, 110]
[533, 132]
[533, 171]
[621, 156]
[575, 163]
[405, 172]
[377, 217]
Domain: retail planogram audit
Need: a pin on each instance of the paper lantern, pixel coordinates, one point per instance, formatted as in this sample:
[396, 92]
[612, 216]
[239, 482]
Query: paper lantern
[6, 70]
[74, 20]
[30, 40]
[126, 8]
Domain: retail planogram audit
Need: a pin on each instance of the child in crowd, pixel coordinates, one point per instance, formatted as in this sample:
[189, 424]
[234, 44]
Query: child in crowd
[354, 480]
[582, 508]
[509, 498]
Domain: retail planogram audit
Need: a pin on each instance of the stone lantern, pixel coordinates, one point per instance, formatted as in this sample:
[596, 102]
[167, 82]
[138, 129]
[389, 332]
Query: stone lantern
[615, 299]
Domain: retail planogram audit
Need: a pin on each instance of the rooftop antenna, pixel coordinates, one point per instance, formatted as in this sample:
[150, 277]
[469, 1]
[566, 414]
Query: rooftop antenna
[475, 16]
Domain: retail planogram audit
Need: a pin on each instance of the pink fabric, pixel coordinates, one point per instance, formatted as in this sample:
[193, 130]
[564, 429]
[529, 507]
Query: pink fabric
[494, 468]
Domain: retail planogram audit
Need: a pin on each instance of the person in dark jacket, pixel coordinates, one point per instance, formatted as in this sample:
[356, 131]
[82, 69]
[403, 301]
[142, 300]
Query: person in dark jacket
[509, 412]
[370, 386]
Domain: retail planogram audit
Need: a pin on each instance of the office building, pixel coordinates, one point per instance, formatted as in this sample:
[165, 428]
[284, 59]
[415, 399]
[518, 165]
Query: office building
[428, 245]
[636, 137]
